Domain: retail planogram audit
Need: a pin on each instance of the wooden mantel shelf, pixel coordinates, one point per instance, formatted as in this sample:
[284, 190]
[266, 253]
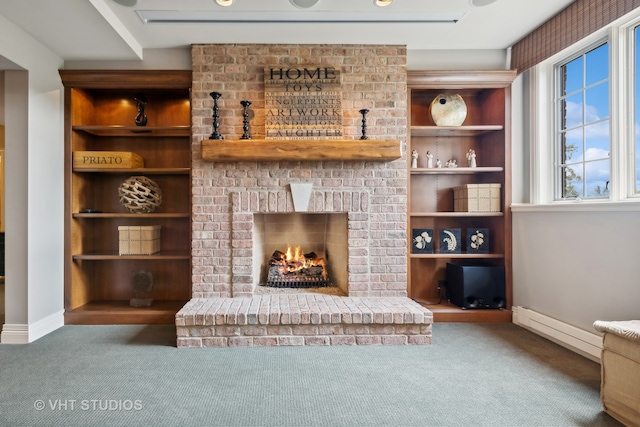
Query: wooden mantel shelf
[300, 150]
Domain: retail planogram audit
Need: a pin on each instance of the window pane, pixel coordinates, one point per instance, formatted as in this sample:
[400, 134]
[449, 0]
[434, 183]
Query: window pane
[597, 141]
[597, 100]
[597, 65]
[572, 150]
[583, 142]
[597, 178]
[572, 108]
[572, 76]
[572, 182]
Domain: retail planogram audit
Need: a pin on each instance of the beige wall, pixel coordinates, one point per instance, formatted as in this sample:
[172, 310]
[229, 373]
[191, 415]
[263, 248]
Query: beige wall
[1, 179]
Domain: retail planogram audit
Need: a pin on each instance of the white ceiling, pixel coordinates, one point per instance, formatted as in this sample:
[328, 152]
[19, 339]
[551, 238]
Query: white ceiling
[106, 30]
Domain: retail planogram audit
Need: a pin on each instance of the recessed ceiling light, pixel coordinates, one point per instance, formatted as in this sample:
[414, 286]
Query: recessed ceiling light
[382, 3]
[480, 3]
[127, 3]
[304, 4]
[224, 3]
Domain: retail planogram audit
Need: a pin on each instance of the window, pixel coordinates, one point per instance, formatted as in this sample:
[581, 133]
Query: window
[582, 142]
[585, 112]
[636, 132]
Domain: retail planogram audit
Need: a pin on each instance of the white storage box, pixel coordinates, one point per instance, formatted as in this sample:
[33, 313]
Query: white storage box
[139, 239]
[477, 198]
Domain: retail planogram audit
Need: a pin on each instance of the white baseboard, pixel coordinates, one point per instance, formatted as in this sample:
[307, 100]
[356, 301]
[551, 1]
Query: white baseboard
[25, 334]
[575, 339]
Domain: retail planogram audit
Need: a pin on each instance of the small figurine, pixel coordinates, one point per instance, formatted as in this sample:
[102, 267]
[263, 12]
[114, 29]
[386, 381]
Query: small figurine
[414, 159]
[471, 158]
[438, 164]
[141, 118]
[451, 163]
[429, 160]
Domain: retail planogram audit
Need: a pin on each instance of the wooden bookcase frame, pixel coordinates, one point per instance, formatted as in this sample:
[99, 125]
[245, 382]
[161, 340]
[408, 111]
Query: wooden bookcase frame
[487, 130]
[100, 113]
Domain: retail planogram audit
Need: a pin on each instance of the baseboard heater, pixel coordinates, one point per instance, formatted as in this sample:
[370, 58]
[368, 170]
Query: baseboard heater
[568, 336]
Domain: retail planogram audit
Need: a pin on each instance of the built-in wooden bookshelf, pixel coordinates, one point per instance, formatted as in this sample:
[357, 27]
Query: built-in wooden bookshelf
[487, 130]
[100, 112]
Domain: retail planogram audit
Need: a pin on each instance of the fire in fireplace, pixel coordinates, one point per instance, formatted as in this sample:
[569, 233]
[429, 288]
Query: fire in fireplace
[295, 269]
[320, 232]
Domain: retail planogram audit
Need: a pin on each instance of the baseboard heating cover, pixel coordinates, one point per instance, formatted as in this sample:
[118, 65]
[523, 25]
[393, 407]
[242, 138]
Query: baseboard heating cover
[575, 339]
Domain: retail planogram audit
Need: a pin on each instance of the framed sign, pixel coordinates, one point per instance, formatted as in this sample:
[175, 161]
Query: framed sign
[303, 102]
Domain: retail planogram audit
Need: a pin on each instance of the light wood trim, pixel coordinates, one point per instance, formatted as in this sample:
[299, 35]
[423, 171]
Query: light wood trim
[300, 150]
[443, 79]
[126, 79]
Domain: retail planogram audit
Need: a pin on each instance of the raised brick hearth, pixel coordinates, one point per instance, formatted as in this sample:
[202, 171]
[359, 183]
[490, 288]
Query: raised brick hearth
[228, 196]
[302, 319]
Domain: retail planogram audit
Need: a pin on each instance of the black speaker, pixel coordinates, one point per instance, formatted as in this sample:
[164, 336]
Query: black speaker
[476, 286]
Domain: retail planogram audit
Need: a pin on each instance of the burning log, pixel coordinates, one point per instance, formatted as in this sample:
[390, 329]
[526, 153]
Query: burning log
[296, 270]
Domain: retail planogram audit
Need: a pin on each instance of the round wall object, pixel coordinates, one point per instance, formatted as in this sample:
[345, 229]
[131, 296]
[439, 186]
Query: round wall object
[140, 194]
[448, 110]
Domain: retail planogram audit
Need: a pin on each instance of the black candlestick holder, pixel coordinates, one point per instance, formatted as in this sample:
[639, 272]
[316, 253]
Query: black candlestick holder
[216, 117]
[364, 123]
[141, 118]
[245, 120]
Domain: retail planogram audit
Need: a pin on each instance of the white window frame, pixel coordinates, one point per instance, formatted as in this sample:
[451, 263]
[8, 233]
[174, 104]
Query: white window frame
[541, 131]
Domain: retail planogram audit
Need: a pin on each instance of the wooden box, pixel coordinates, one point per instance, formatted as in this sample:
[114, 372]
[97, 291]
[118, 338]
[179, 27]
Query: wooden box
[139, 239]
[476, 198]
[106, 160]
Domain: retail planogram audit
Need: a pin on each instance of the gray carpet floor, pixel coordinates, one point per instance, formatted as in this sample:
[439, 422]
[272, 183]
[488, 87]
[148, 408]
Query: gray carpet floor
[472, 375]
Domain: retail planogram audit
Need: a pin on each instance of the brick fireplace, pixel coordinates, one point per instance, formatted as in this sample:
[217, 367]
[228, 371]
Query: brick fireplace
[229, 196]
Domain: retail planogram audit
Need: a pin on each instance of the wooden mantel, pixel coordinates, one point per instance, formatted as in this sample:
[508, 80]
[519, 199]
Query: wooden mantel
[300, 150]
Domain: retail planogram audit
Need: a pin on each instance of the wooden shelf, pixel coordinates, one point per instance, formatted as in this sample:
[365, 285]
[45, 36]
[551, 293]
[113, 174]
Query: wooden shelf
[300, 150]
[455, 171]
[450, 131]
[120, 312]
[455, 214]
[135, 131]
[444, 311]
[114, 256]
[449, 255]
[145, 171]
[131, 215]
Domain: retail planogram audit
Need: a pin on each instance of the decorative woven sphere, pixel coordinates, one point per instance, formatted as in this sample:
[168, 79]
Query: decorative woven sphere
[140, 194]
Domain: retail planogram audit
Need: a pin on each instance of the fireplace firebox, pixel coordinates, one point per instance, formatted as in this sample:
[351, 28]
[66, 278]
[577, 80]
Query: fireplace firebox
[301, 250]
